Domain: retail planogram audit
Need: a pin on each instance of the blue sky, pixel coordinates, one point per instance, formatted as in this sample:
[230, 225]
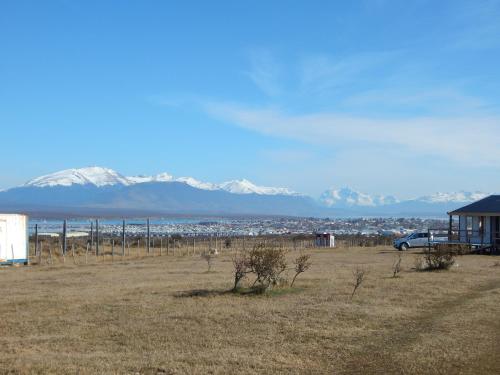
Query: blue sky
[393, 97]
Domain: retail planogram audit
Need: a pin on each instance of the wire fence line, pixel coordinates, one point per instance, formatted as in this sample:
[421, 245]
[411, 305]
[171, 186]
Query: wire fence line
[95, 242]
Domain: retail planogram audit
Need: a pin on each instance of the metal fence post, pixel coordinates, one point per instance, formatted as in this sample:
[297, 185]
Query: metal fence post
[91, 235]
[36, 239]
[149, 237]
[123, 238]
[97, 237]
[64, 244]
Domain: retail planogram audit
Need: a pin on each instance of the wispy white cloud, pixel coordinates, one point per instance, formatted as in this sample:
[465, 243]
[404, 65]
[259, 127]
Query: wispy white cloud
[477, 24]
[321, 73]
[387, 81]
[265, 72]
[473, 141]
[175, 101]
[287, 155]
[443, 100]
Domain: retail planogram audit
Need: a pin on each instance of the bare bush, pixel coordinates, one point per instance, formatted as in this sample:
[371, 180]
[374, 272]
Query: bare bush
[359, 274]
[268, 263]
[396, 267]
[438, 259]
[457, 249]
[302, 264]
[209, 257]
[241, 268]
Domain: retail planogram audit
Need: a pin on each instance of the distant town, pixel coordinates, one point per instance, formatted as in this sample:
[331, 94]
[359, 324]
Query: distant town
[254, 226]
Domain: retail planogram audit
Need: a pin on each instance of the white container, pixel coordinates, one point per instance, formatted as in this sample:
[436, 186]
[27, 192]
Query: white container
[325, 239]
[14, 238]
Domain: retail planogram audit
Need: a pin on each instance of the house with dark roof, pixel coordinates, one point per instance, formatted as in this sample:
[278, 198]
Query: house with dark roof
[478, 224]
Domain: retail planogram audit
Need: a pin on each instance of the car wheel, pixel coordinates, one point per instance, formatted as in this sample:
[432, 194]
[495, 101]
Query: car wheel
[403, 247]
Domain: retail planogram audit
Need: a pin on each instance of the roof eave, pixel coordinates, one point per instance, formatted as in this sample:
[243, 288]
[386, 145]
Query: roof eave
[472, 213]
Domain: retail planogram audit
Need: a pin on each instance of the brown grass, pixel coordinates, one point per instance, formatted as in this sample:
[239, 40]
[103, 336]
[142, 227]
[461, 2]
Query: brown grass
[168, 315]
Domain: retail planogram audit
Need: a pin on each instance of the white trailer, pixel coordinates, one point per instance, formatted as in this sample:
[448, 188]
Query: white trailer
[14, 239]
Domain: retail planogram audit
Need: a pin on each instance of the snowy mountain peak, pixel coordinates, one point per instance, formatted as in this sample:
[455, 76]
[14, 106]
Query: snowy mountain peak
[162, 177]
[99, 177]
[96, 176]
[246, 187]
[347, 197]
[197, 184]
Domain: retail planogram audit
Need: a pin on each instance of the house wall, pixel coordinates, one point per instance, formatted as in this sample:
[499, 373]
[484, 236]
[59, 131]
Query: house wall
[13, 238]
[487, 229]
[462, 226]
[494, 234]
[475, 235]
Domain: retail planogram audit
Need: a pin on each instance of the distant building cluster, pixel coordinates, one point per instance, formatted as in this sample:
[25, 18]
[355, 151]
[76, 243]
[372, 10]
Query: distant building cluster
[228, 227]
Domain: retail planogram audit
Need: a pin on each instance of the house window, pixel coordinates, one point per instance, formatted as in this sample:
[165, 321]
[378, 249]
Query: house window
[469, 222]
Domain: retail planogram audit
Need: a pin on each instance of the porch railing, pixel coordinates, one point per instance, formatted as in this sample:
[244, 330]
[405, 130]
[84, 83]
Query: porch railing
[464, 236]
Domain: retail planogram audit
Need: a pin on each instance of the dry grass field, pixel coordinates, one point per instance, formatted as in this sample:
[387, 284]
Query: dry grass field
[168, 315]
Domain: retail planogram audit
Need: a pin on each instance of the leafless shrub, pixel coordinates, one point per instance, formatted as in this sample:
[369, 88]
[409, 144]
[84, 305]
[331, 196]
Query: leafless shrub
[419, 264]
[268, 263]
[240, 268]
[396, 267]
[438, 259]
[359, 274]
[302, 264]
[496, 264]
[209, 257]
[456, 249]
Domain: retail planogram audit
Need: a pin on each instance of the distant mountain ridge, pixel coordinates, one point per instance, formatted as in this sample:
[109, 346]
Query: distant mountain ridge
[99, 176]
[100, 189]
[357, 203]
[347, 197]
[95, 189]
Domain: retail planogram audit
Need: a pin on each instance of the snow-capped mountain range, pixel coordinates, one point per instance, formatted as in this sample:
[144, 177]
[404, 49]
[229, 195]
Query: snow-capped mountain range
[101, 190]
[346, 197]
[99, 177]
[459, 197]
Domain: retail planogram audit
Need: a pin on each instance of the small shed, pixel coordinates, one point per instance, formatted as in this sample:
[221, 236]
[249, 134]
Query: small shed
[14, 239]
[325, 239]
